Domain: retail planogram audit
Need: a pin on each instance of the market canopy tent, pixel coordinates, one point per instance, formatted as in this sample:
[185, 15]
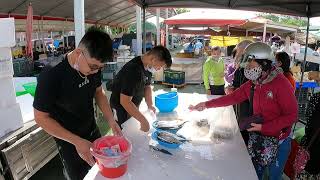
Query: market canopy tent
[217, 18]
[289, 7]
[120, 13]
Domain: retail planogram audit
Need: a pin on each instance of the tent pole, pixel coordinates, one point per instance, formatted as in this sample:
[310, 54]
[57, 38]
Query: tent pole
[79, 26]
[167, 28]
[305, 56]
[264, 33]
[158, 26]
[144, 30]
[138, 24]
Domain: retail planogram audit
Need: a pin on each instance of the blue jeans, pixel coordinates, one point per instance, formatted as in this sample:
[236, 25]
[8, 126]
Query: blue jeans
[276, 168]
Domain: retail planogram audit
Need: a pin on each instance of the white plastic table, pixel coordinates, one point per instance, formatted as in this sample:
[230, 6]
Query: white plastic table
[198, 160]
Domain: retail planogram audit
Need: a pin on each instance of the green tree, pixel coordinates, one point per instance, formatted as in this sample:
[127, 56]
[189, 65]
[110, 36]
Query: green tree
[285, 19]
[182, 10]
[149, 27]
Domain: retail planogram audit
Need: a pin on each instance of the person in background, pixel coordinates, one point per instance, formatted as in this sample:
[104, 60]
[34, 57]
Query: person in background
[63, 102]
[133, 83]
[283, 61]
[231, 68]
[312, 169]
[242, 109]
[213, 73]
[198, 47]
[272, 101]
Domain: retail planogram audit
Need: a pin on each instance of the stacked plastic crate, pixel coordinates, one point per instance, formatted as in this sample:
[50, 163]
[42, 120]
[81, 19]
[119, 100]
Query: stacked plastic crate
[109, 71]
[10, 113]
[172, 77]
[303, 98]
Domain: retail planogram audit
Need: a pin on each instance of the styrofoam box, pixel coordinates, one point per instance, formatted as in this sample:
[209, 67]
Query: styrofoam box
[11, 119]
[6, 67]
[26, 107]
[7, 92]
[7, 32]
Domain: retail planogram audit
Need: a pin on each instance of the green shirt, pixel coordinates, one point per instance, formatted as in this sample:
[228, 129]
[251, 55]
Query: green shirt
[213, 72]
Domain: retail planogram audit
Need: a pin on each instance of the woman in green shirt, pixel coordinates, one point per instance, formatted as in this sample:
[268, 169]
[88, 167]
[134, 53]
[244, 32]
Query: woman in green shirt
[213, 73]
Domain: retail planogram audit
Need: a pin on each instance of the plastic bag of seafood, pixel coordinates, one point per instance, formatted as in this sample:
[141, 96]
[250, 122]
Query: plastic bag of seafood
[223, 124]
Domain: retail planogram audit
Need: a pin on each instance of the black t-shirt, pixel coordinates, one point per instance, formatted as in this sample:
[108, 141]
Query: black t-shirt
[131, 81]
[67, 97]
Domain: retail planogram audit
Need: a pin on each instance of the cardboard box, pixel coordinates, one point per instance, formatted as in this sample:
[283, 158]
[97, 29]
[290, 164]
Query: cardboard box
[7, 32]
[11, 119]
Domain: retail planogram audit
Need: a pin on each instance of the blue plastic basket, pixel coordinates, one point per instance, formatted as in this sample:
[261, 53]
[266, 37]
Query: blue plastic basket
[166, 102]
[307, 85]
[164, 144]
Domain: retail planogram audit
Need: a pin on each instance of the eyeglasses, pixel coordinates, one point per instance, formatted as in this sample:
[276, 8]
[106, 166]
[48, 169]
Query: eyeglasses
[94, 67]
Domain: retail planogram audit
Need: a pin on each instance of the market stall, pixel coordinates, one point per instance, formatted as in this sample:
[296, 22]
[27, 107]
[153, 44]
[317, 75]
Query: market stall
[200, 159]
[191, 66]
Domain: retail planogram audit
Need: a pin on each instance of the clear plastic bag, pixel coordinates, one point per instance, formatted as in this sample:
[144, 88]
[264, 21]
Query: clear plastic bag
[223, 124]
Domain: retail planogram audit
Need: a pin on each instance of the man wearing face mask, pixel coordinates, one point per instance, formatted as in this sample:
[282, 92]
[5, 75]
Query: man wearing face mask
[63, 103]
[132, 84]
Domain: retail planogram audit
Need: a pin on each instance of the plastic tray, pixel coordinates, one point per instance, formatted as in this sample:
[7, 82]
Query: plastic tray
[164, 144]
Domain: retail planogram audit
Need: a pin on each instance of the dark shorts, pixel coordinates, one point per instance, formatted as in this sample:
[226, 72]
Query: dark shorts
[217, 90]
[74, 167]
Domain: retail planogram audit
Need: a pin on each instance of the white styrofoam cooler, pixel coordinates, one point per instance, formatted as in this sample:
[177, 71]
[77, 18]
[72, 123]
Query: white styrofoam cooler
[7, 92]
[6, 67]
[7, 32]
[11, 119]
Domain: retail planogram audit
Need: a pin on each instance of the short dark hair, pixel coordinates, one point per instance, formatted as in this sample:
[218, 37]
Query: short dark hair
[234, 52]
[216, 48]
[284, 58]
[163, 54]
[98, 44]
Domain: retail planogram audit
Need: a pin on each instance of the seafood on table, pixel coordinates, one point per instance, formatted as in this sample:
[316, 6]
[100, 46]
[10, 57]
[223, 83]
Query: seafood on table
[168, 137]
[169, 125]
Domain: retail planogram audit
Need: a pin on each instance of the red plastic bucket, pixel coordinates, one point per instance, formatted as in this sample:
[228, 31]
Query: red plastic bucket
[112, 166]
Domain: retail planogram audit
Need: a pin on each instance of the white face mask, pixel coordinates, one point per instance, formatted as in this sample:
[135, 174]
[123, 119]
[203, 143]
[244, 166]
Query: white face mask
[76, 64]
[253, 74]
[151, 69]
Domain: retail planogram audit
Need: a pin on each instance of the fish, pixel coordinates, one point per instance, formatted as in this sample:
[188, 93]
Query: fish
[170, 138]
[169, 125]
[160, 150]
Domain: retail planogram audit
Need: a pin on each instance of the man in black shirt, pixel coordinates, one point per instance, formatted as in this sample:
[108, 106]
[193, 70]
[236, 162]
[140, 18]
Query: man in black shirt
[63, 103]
[132, 83]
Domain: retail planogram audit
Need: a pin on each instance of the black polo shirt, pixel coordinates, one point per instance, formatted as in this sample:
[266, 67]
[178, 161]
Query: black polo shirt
[67, 97]
[131, 81]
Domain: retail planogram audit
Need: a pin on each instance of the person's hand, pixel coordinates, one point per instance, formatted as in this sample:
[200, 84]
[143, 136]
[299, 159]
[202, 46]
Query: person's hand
[255, 127]
[152, 108]
[144, 125]
[229, 90]
[222, 75]
[199, 107]
[208, 92]
[83, 148]
[115, 129]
